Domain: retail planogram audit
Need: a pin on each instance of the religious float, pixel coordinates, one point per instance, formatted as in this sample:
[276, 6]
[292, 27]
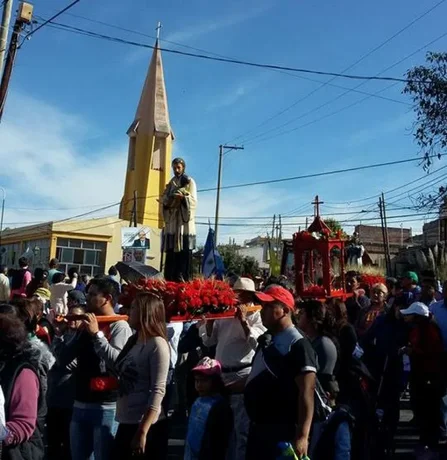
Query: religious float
[319, 261]
[319, 258]
[188, 301]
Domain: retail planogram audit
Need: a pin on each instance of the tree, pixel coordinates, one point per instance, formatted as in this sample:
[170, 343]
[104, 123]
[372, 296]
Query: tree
[335, 226]
[427, 86]
[237, 264]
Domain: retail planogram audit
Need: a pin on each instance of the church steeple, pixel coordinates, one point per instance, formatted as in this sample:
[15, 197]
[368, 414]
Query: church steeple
[150, 146]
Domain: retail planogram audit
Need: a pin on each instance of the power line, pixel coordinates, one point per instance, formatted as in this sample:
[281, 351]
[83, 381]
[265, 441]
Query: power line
[353, 90]
[363, 57]
[228, 60]
[142, 34]
[416, 190]
[320, 174]
[97, 226]
[301, 216]
[262, 137]
[249, 141]
[399, 187]
[107, 24]
[295, 224]
[58, 209]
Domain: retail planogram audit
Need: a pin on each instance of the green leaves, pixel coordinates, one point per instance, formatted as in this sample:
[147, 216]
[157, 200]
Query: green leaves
[427, 86]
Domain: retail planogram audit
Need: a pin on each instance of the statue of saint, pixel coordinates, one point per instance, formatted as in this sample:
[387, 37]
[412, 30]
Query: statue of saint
[179, 203]
[355, 251]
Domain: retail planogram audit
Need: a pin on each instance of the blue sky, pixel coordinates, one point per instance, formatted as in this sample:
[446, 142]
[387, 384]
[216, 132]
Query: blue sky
[72, 99]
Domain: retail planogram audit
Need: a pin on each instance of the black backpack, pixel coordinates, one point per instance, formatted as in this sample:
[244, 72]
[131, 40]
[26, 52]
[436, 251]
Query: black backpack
[325, 446]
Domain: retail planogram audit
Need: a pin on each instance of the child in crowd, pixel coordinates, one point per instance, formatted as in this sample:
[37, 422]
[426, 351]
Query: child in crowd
[59, 290]
[334, 442]
[211, 419]
[61, 391]
[44, 330]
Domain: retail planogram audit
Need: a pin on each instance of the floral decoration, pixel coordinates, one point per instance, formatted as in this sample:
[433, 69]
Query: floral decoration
[190, 299]
[370, 280]
[314, 291]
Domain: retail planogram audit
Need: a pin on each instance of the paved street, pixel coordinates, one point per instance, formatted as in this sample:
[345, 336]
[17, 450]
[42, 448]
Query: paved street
[176, 442]
[406, 439]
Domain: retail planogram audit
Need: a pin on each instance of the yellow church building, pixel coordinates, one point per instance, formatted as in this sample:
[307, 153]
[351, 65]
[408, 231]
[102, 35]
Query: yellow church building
[92, 246]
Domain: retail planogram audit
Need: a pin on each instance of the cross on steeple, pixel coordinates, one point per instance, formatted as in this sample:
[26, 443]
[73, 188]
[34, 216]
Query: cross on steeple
[158, 28]
[316, 204]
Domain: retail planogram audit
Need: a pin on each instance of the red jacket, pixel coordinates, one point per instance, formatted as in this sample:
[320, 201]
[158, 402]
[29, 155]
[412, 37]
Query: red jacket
[427, 348]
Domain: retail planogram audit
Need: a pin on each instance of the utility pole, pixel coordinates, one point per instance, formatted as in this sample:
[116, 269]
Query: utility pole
[1, 222]
[24, 16]
[386, 246]
[4, 29]
[273, 228]
[219, 183]
[280, 245]
[280, 233]
[382, 226]
[386, 236]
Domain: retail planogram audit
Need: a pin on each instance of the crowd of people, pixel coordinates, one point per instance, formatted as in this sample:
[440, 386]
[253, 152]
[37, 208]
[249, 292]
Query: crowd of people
[297, 377]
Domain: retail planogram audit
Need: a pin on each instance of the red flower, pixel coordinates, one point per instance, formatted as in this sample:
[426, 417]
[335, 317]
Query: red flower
[370, 280]
[196, 297]
[314, 291]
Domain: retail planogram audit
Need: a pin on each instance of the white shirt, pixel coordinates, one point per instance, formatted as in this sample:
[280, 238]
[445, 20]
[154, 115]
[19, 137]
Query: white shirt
[3, 431]
[5, 292]
[234, 348]
[174, 332]
[59, 296]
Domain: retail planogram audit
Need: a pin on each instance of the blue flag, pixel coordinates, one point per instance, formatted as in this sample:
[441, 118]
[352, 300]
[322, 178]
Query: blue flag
[212, 261]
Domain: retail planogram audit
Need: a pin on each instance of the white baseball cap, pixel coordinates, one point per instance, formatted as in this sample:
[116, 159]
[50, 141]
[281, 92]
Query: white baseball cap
[244, 284]
[416, 308]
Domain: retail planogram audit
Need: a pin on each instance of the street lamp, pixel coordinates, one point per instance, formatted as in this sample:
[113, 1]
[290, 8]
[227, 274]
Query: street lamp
[1, 221]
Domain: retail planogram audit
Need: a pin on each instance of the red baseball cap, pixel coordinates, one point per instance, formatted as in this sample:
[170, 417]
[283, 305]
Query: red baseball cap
[278, 293]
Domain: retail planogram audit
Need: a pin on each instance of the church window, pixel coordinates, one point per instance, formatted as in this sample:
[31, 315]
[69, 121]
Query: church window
[157, 155]
[132, 148]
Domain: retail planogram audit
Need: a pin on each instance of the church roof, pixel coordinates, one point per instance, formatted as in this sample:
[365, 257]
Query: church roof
[152, 116]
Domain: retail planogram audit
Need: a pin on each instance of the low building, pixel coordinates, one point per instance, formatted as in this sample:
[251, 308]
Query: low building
[258, 249]
[436, 231]
[90, 246]
[372, 240]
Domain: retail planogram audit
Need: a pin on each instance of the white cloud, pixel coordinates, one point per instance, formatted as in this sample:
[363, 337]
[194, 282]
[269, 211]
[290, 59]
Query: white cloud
[239, 91]
[198, 30]
[230, 98]
[44, 166]
[399, 124]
